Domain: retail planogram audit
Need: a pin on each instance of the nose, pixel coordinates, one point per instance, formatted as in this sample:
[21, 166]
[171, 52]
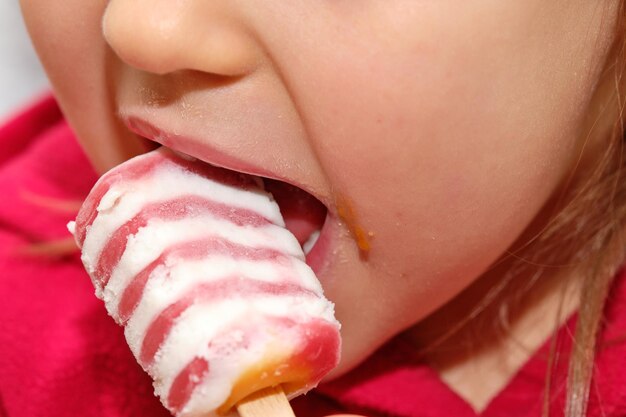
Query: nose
[163, 36]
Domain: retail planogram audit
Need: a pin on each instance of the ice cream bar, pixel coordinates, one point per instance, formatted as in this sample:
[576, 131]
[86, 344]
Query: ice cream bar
[213, 291]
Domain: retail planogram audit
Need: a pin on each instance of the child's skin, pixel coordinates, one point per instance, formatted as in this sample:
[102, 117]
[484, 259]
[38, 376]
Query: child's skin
[444, 126]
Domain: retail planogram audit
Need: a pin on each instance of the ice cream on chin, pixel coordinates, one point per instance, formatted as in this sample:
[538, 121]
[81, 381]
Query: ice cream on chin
[212, 289]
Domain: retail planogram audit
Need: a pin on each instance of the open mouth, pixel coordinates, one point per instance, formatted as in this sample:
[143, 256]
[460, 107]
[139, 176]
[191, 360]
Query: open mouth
[304, 215]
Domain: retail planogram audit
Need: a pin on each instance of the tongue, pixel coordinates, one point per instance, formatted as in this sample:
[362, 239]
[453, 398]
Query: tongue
[302, 212]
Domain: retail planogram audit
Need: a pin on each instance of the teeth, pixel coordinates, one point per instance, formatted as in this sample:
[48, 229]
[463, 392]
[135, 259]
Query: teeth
[308, 245]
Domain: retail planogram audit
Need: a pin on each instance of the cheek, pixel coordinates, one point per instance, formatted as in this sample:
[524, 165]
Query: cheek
[68, 38]
[446, 154]
[441, 201]
[444, 180]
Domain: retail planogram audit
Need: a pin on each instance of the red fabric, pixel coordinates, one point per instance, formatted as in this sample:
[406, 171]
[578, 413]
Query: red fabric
[61, 355]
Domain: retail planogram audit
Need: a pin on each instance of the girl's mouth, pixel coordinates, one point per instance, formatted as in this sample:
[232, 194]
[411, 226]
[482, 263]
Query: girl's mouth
[306, 217]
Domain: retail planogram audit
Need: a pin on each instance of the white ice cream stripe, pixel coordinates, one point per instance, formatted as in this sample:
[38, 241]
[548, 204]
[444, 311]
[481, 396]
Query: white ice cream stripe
[306, 277]
[187, 273]
[125, 200]
[158, 235]
[166, 286]
[169, 284]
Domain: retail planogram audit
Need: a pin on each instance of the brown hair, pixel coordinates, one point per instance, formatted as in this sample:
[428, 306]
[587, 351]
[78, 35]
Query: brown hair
[585, 233]
[601, 201]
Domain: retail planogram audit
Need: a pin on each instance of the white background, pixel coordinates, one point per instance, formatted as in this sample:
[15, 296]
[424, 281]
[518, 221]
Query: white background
[21, 76]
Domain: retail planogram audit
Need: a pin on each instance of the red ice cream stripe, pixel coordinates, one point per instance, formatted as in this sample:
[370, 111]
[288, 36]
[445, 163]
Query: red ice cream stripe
[222, 289]
[179, 208]
[142, 166]
[320, 347]
[191, 250]
[134, 170]
[185, 383]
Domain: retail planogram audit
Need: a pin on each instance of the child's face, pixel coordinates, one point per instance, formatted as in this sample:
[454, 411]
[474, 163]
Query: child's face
[433, 131]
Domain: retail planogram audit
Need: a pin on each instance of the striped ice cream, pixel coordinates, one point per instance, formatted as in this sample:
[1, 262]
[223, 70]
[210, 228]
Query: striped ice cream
[213, 291]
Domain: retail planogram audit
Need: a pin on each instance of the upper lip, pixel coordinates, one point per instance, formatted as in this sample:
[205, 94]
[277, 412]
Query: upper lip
[179, 142]
[204, 150]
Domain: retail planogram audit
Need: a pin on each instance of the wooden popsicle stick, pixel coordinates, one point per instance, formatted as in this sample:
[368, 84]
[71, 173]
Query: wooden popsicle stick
[268, 402]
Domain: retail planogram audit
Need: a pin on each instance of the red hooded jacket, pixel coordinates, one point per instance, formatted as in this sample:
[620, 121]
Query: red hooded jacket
[61, 355]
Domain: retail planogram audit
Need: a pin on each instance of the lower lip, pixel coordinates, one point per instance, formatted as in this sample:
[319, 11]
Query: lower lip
[318, 258]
